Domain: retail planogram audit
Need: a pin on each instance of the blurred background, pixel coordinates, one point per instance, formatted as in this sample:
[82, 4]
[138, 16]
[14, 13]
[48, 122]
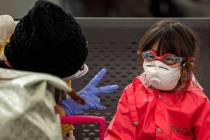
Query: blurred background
[117, 8]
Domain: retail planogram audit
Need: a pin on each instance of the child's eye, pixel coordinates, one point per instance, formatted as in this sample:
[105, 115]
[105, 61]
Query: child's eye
[148, 56]
[170, 59]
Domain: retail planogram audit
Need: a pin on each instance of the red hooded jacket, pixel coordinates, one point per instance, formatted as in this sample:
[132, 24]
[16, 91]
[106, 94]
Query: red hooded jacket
[147, 114]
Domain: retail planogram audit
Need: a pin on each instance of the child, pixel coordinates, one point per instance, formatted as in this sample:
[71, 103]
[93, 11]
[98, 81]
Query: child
[165, 102]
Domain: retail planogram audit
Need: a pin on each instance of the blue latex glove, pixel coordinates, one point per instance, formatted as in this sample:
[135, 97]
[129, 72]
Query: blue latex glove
[90, 94]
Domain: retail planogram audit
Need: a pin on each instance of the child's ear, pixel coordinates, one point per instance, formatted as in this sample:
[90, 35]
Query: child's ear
[184, 73]
[191, 65]
[186, 70]
[138, 53]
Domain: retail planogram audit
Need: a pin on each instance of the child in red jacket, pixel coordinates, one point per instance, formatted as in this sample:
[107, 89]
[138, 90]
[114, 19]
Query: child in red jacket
[165, 102]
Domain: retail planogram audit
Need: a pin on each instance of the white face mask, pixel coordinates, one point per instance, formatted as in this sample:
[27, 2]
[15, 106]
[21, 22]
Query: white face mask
[160, 75]
[78, 74]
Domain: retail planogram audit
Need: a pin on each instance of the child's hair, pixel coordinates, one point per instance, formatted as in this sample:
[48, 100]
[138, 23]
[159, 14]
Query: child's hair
[172, 37]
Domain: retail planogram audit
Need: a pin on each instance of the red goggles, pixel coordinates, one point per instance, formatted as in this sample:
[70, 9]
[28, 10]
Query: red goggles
[168, 59]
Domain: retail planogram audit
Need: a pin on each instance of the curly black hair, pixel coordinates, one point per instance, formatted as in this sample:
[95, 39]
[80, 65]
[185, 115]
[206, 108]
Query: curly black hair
[47, 40]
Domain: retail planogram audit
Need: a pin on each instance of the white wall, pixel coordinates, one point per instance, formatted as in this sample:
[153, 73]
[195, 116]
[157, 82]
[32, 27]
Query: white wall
[18, 8]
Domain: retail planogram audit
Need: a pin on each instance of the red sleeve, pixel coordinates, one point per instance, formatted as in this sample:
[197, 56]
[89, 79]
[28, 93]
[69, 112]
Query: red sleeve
[202, 125]
[121, 126]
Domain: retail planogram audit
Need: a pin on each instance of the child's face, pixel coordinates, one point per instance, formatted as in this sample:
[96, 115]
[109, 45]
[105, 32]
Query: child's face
[162, 71]
[169, 59]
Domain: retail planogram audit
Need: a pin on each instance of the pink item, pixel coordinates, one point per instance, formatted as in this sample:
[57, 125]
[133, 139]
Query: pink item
[86, 119]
